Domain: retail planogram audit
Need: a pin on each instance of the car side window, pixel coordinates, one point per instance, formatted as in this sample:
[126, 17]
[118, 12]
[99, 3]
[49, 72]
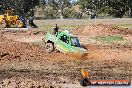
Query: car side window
[64, 38]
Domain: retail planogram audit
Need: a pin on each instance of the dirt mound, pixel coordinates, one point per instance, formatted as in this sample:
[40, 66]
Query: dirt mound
[100, 29]
[24, 36]
[12, 50]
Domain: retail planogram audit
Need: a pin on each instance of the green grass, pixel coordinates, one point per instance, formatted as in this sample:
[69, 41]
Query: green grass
[111, 38]
[125, 25]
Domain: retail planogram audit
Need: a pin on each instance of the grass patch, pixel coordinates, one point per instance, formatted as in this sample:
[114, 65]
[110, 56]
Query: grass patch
[125, 25]
[111, 38]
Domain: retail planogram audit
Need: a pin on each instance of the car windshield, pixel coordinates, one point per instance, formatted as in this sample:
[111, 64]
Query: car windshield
[75, 42]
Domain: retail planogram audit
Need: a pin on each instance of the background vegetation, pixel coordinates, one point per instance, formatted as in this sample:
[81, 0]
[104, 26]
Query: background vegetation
[52, 9]
[111, 38]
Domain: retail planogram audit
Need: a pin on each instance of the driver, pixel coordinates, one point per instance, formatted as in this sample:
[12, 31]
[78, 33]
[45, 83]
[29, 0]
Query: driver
[55, 29]
[64, 39]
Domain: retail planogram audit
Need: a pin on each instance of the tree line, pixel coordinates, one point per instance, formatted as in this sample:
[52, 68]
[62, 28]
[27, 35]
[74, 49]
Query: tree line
[52, 9]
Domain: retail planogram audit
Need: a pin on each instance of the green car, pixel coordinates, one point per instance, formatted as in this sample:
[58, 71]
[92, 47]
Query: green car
[62, 41]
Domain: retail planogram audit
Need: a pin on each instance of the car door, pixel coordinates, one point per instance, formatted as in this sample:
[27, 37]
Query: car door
[63, 44]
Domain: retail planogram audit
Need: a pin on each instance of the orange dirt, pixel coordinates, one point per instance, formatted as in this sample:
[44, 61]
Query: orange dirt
[22, 51]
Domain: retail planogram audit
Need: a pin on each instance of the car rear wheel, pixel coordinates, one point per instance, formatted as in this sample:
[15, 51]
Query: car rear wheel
[19, 24]
[49, 47]
[3, 24]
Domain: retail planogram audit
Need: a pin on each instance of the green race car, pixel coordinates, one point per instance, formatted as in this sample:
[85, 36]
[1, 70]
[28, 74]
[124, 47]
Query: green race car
[62, 41]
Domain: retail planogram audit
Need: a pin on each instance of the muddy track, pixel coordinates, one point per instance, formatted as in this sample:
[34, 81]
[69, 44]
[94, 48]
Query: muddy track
[29, 65]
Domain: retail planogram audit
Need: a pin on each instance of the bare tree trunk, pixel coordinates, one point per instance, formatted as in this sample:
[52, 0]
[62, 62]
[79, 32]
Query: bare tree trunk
[61, 11]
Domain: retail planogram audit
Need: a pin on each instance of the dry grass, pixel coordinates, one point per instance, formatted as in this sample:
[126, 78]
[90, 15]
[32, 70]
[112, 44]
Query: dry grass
[74, 23]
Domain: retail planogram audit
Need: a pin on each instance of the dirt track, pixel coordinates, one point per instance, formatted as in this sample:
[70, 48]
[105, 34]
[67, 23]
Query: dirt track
[23, 61]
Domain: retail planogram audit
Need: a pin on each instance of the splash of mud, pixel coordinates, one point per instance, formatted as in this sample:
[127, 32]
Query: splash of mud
[91, 54]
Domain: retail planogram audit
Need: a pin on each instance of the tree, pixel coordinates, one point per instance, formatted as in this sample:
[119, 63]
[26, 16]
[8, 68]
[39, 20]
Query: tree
[115, 8]
[21, 7]
[129, 3]
[64, 7]
[88, 7]
[58, 9]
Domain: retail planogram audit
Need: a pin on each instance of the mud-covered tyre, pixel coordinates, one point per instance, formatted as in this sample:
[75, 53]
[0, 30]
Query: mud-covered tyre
[85, 82]
[3, 24]
[19, 24]
[49, 47]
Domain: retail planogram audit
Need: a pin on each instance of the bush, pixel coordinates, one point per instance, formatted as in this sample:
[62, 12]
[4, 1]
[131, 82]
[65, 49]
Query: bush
[111, 38]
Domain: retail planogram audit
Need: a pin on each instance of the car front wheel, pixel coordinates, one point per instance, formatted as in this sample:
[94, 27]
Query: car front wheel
[49, 47]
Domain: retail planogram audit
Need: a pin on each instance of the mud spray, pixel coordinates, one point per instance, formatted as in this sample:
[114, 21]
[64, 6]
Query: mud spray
[91, 54]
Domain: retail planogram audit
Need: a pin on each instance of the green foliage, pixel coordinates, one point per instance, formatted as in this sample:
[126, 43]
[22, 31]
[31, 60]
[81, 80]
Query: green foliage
[21, 7]
[55, 8]
[111, 38]
[50, 12]
[58, 8]
[115, 8]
